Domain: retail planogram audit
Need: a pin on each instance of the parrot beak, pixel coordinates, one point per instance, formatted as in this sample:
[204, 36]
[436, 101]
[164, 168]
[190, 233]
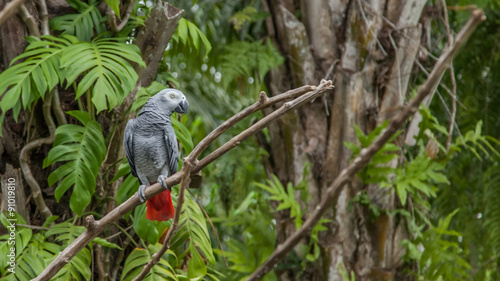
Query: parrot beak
[182, 107]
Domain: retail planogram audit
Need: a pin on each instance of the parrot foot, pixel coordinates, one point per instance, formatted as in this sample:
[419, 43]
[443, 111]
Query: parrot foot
[142, 195]
[161, 181]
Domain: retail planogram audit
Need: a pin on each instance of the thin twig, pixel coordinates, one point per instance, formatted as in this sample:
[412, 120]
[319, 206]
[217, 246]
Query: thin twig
[44, 14]
[112, 17]
[453, 107]
[24, 156]
[394, 27]
[123, 230]
[56, 107]
[29, 20]
[452, 77]
[366, 154]
[9, 10]
[33, 226]
[370, 29]
[441, 84]
[298, 96]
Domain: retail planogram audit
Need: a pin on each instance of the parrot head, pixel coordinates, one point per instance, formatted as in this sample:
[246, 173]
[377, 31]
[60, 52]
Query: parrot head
[170, 100]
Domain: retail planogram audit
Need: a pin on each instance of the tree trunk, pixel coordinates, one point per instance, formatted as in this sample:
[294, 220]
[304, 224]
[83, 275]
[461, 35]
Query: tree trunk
[370, 60]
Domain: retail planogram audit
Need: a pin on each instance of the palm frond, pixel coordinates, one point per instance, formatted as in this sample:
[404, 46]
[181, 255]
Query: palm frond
[25, 82]
[104, 64]
[83, 146]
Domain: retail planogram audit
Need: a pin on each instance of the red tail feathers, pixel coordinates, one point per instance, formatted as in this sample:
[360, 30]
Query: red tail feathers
[160, 207]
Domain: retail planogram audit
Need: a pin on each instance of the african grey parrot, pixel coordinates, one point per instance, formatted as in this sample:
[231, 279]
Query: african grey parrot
[151, 149]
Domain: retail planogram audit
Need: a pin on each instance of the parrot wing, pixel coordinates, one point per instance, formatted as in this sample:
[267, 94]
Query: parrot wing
[128, 144]
[172, 149]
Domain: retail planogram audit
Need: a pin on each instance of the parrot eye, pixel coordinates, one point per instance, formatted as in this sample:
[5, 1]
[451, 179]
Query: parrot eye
[172, 96]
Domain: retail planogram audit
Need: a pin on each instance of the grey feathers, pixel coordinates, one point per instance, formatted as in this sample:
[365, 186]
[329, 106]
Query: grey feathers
[149, 140]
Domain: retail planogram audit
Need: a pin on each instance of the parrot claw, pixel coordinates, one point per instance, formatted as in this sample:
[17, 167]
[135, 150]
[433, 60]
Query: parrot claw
[161, 181]
[142, 195]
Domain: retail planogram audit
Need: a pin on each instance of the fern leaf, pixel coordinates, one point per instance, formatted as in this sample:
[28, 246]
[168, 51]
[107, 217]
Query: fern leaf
[83, 147]
[105, 66]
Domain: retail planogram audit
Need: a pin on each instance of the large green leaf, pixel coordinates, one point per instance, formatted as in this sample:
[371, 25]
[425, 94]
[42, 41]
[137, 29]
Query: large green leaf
[115, 6]
[190, 36]
[194, 231]
[78, 268]
[81, 25]
[25, 82]
[83, 147]
[139, 257]
[107, 73]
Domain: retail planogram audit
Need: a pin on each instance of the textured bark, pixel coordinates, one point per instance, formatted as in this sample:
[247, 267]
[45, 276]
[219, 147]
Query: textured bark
[154, 37]
[370, 60]
[15, 178]
[12, 33]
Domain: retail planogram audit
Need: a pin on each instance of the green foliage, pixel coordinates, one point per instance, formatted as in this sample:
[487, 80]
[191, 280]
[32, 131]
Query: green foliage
[106, 70]
[84, 148]
[34, 77]
[344, 273]
[377, 169]
[439, 258]
[238, 19]
[260, 57]
[79, 266]
[140, 257]
[364, 199]
[115, 6]
[492, 208]
[286, 197]
[83, 24]
[104, 64]
[287, 200]
[417, 177]
[193, 238]
[475, 139]
[147, 230]
[35, 251]
[188, 36]
[251, 237]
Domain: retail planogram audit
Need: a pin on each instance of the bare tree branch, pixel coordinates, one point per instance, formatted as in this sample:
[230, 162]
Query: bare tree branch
[112, 17]
[44, 14]
[9, 10]
[29, 20]
[452, 77]
[302, 95]
[366, 154]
